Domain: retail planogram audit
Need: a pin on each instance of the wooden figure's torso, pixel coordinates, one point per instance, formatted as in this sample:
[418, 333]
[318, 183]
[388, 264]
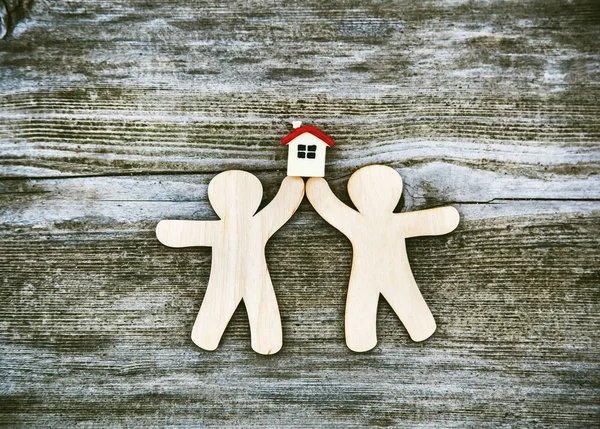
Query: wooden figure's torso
[238, 257]
[379, 255]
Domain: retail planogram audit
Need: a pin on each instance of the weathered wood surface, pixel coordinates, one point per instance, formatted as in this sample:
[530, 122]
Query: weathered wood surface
[11, 12]
[114, 115]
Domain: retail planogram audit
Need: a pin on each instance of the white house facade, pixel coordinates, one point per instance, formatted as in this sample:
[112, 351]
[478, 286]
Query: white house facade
[306, 151]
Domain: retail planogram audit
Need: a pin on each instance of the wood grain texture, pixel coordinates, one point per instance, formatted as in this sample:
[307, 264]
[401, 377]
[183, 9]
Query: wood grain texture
[115, 115]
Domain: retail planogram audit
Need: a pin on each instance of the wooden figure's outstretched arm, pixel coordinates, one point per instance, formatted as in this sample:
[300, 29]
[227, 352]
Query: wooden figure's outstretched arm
[329, 207]
[186, 233]
[284, 205]
[436, 221]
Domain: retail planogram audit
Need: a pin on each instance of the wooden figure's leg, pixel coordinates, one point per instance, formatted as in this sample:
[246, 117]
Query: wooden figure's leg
[361, 316]
[406, 300]
[216, 310]
[263, 315]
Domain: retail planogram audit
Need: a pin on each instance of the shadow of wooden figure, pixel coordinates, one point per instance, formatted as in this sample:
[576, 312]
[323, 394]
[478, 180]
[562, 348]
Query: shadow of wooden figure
[239, 267]
[380, 263]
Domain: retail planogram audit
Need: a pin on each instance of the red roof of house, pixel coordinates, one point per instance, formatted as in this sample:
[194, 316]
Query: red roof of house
[307, 129]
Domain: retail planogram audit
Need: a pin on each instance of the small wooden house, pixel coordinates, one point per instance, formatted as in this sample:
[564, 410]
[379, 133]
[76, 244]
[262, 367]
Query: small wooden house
[306, 151]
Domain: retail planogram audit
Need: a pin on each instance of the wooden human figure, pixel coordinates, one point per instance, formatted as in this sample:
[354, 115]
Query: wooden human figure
[239, 268]
[380, 264]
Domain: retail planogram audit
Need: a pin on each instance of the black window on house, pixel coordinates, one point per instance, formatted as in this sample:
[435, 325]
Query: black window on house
[309, 151]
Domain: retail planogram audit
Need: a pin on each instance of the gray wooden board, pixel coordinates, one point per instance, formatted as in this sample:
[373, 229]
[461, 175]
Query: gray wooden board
[115, 115]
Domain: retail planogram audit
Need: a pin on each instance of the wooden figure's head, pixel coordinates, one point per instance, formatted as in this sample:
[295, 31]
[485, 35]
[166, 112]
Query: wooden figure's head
[375, 189]
[235, 194]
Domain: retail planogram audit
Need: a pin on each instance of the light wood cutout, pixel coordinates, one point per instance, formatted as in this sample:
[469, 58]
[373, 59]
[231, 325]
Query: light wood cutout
[239, 268]
[380, 264]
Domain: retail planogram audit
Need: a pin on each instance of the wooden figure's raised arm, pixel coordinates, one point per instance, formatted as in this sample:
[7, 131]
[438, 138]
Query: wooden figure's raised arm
[284, 205]
[187, 233]
[438, 221]
[329, 207]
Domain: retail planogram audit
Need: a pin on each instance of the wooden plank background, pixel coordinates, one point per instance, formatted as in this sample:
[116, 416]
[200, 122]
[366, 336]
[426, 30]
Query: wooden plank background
[114, 115]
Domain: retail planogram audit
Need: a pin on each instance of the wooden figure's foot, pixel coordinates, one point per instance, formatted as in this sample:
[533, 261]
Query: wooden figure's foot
[267, 339]
[412, 310]
[425, 330]
[359, 344]
[267, 347]
[265, 326]
[361, 319]
[204, 340]
[213, 317]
